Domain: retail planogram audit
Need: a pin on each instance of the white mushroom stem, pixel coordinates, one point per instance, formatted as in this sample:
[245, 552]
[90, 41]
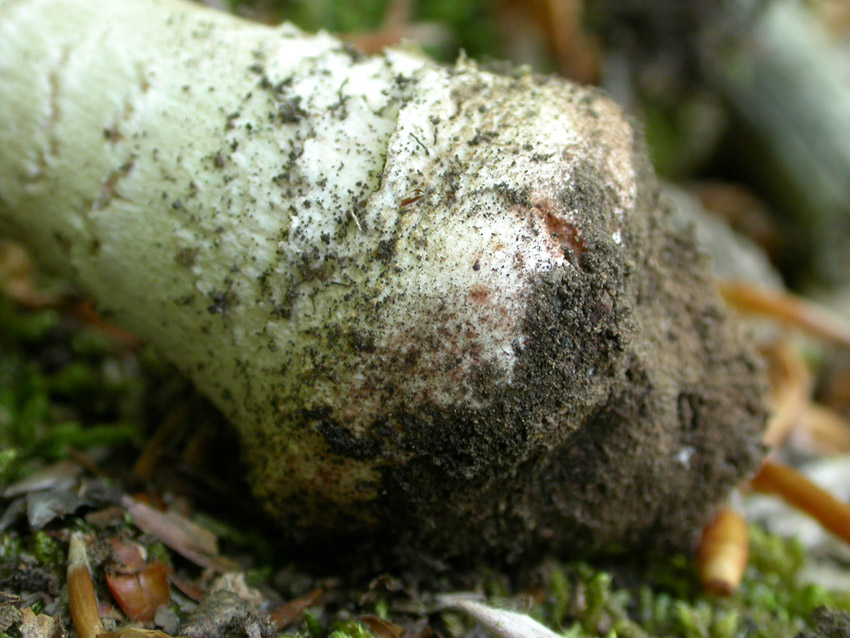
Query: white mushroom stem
[378, 268]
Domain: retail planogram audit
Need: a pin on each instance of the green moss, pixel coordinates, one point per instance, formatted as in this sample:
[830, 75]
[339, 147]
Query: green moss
[350, 629]
[10, 546]
[470, 25]
[47, 550]
[313, 625]
[668, 601]
[62, 386]
[343, 16]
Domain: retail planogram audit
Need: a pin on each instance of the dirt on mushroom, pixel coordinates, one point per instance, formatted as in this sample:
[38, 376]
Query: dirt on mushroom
[443, 306]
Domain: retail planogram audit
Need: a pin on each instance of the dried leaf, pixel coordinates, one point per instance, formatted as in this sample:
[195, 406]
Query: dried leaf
[502, 623]
[290, 613]
[43, 507]
[139, 595]
[15, 510]
[126, 557]
[382, 628]
[59, 473]
[105, 517]
[187, 587]
[180, 534]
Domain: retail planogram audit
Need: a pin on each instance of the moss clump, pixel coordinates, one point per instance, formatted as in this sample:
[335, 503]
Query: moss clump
[666, 599]
[63, 387]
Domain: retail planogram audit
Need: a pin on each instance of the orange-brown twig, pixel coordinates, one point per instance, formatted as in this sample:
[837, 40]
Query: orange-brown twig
[792, 385]
[81, 597]
[799, 491]
[723, 552]
[578, 54]
[787, 308]
[824, 430]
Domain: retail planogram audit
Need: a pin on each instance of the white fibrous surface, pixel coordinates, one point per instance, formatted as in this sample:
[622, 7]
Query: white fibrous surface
[311, 235]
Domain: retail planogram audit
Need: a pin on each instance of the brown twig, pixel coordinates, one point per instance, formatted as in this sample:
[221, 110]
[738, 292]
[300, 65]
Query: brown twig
[799, 491]
[787, 308]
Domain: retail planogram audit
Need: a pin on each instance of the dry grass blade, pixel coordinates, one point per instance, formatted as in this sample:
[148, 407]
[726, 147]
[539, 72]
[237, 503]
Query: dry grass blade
[81, 597]
[799, 491]
[180, 534]
[792, 385]
[723, 552]
[789, 309]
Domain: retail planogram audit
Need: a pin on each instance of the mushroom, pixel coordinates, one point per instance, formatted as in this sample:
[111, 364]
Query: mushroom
[443, 307]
